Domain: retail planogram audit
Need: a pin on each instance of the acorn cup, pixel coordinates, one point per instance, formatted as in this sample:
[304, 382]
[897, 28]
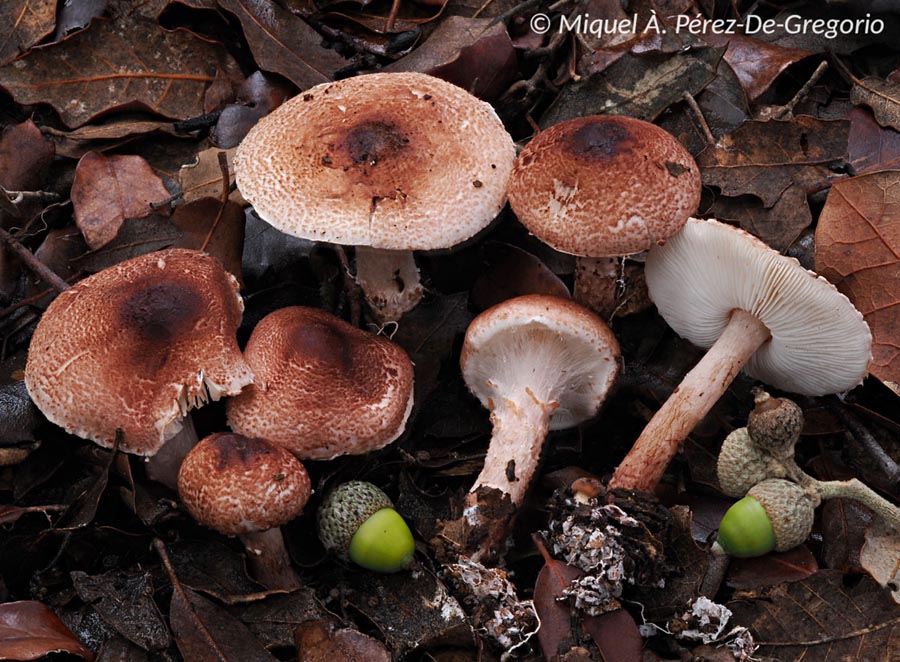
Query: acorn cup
[357, 522]
[775, 424]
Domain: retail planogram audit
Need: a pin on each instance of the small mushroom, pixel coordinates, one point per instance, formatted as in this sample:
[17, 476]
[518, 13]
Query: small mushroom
[723, 289]
[603, 186]
[539, 363]
[248, 488]
[381, 162]
[136, 347]
[323, 388]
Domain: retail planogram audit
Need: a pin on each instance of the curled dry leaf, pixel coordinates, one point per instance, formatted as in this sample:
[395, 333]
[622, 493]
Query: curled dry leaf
[30, 630]
[858, 249]
[203, 177]
[870, 146]
[166, 72]
[283, 43]
[25, 23]
[881, 96]
[756, 63]
[109, 189]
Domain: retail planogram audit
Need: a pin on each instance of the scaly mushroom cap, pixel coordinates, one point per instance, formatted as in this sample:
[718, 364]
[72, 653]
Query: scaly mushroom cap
[544, 348]
[235, 484]
[136, 346]
[390, 160]
[322, 387]
[604, 185]
[820, 342]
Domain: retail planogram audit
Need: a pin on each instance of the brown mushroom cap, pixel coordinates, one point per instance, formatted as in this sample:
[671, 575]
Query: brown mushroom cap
[136, 346]
[238, 485]
[544, 349]
[604, 185]
[400, 161]
[322, 387]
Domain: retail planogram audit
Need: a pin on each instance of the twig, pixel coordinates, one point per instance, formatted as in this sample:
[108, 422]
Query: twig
[865, 438]
[17, 197]
[802, 92]
[392, 16]
[46, 274]
[692, 103]
[9, 310]
[226, 189]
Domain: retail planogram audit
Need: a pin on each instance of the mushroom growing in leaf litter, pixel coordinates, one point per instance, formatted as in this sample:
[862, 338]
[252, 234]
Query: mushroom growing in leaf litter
[322, 387]
[539, 363]
[600, 187]
[136, 347]
[247, 487]
[723, 289]
[381, 162]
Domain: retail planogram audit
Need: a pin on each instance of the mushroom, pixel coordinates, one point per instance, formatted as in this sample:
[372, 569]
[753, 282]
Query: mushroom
[248, 488]
[386, 162]
[600, 187]
[723, 289]
[135, 347]
[539, 363]
[322, 387]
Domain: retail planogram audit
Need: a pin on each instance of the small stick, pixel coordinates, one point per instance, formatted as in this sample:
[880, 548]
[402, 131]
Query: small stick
[692, 103]
[802, 92]
[9, 310]
[865, 438]
[226, 189]
[42, 270]
[392, 16]
[17, 197]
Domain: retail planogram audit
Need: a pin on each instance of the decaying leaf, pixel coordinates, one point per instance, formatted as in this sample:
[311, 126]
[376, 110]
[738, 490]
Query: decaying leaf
[97, 70]
[25, 157]
[206, 224]
[820, 618]
[756, 63]
[283, 43]
[30, 630]
[109, 189]
[858, 249]
[474, 53]
[640, 86]
[870, 146]
[880, 557]
[24, 23]
[203, 178]
[322, 641]
[881, 96]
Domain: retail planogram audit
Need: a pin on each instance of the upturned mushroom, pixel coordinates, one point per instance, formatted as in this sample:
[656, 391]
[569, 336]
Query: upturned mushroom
[600, 187]
[136, 347]
[380, 162]
[248, 488]
[322, 387]
[539, 363]
[723, 289]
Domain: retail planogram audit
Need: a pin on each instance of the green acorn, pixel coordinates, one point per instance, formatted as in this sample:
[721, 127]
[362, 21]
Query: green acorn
[357, 521]
[775, 424]
[775, 515]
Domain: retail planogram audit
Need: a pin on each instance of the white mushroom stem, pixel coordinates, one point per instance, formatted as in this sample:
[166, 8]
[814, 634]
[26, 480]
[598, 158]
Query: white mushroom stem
[701, 388]
[390, 281]
[270, 563]
[519, 430]
[164, 466]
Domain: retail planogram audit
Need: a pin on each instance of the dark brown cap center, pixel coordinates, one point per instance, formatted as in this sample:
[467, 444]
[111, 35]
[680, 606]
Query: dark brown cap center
[601, 140]
[368, 143]
[160, 312]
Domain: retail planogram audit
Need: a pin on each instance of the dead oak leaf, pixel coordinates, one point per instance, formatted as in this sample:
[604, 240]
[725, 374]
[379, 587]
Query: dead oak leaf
[107, 67]
[858, 249]
[30, 630]
[108, 189]
[881, 96]
[23, 23]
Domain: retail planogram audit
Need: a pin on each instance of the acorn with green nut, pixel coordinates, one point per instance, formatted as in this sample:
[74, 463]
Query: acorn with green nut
[779, 499]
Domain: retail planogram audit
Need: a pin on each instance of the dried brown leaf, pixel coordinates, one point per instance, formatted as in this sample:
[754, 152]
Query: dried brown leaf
[820, 618]
[283, 43]
[101, 137]
[25, 157]
[881, 96]
[858, 249]
[322, 641]
[772, 569]
[870, 146]
[219, 230]
[106, 67]
[30, 630]
[558, 632]
[474, 53]
[109, 189]
[880, 557]
[756, 63]
[25, 23]
[203, 178]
